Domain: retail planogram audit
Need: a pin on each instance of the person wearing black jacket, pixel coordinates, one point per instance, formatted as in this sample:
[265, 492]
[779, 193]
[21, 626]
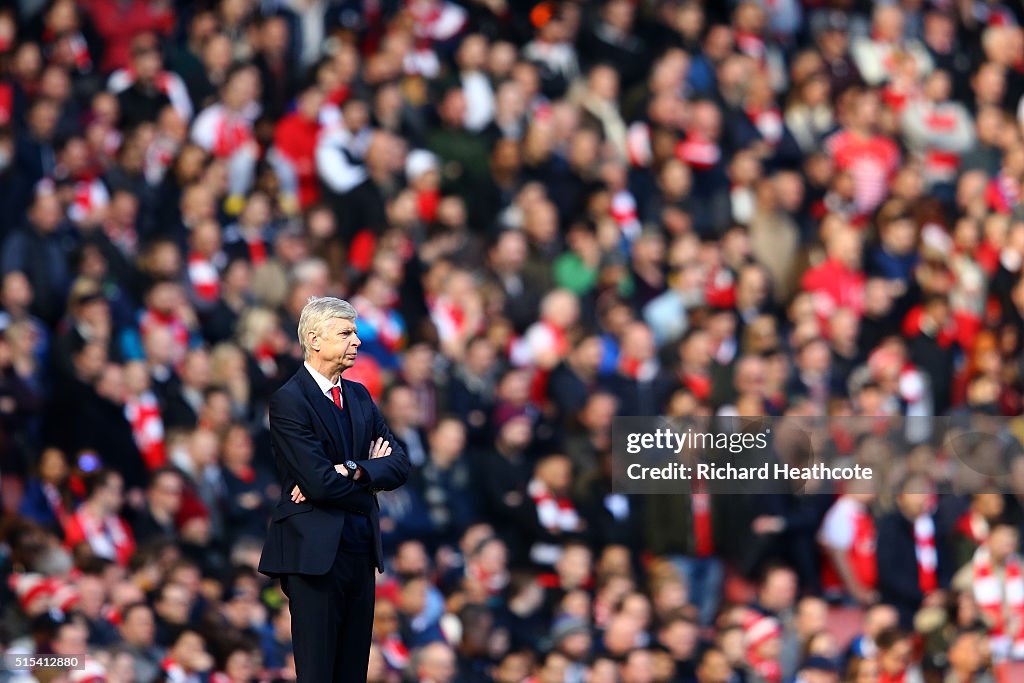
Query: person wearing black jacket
[699, 532]
[103, 427]
[143, 99]
[575, 378]
[913, 562]
[334, 452]
[157, 519]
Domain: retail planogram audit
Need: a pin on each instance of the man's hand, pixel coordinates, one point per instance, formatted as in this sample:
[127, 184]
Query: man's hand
[380, 448]
[340, 469]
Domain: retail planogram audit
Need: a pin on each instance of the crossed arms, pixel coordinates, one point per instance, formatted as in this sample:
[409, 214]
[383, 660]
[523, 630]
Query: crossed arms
[318, 479]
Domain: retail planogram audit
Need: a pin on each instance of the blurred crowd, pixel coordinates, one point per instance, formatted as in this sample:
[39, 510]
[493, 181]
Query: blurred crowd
[548, 214]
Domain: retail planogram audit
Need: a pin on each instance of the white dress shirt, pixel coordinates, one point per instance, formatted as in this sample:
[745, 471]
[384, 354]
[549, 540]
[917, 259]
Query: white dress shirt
[325, 384]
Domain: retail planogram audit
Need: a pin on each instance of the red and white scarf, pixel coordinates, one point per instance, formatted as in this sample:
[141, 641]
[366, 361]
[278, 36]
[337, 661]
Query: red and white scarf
[625, 214]
[75, 44]
[143, 413]
[751, 44]
[927, 557]
[699, 152]
[109, 538]
[176, 673]
[555, 513]
[973, 526]
[79, 50]
[700, 508]
[205, 279]
[494, 582]
[991, 594]
[768, 121]
[90, 194]
[396, 654]
[151, 319]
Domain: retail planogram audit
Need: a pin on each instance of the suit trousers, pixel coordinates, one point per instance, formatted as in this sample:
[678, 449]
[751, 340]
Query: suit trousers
[332, 619]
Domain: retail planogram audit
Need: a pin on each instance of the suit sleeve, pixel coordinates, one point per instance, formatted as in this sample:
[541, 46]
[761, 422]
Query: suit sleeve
[302, 455]
[390, 472]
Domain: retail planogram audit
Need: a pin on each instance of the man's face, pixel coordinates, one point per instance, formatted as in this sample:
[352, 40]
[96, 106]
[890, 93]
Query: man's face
[780, 590]
[140, 628]
[438, 665]
[896, 658]
[714, 668]
[914, 503]
[71, 639]
[112, 494]
[147, 65]
[337, 343]
[175, 604]
[188, 649]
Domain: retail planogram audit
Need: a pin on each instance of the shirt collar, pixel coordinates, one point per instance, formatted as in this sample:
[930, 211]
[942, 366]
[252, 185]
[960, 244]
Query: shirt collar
[321, 381]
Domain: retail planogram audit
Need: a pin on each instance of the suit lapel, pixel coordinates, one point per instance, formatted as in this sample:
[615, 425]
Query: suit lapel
[358, 419]
[324, 410]
[358, 413]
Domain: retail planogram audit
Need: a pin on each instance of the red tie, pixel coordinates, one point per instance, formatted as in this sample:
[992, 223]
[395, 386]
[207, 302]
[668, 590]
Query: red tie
[336, 395]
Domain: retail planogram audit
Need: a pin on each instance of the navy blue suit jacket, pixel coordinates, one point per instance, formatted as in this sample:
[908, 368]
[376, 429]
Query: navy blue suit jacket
[307, 441]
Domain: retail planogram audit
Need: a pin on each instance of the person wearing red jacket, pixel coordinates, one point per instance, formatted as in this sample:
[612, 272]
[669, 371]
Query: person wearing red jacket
[119, 21]
[295, 138]
[838, 281]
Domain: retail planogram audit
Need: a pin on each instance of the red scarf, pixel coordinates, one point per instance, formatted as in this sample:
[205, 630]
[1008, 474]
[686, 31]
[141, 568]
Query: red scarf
[703, 536]
[698, 152]
[699, 384]
[175, 672]
[257, 250]
[972, 526]
[927, 558]
[990, 594]
[109, 538]
[152, 318]
[143, 412]
[396, 654]
[750, 44]
[76, 45]
[633, 368]
[768, 122]
[204, 277]
[554, 512]
[625, 215]
[427, 203]
[266, 358]
[1003, 193]
[494, 582]
[245, 474]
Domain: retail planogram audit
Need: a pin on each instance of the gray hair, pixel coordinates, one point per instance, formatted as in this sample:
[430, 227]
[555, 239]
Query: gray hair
[317, 311]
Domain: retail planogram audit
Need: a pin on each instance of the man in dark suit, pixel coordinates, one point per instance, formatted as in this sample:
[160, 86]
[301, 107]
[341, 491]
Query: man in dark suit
[913, 562]
[324, 537]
